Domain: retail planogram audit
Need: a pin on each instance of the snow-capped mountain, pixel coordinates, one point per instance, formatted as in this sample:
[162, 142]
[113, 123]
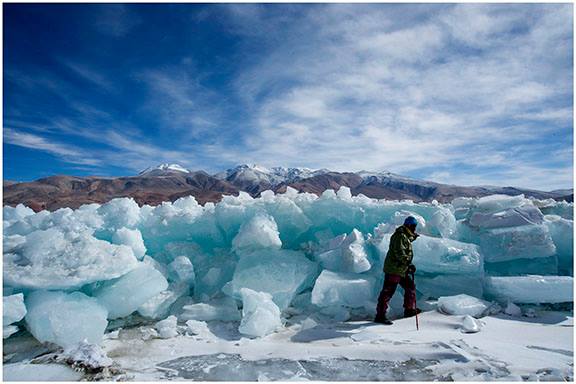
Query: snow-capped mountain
[163, 168]
[252, 175]
[168, 182]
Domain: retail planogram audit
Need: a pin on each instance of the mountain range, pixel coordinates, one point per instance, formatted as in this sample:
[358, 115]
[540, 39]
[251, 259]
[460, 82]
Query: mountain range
[168, 182]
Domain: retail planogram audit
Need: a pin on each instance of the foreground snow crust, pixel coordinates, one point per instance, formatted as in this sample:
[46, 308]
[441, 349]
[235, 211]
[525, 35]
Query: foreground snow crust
[507, 348]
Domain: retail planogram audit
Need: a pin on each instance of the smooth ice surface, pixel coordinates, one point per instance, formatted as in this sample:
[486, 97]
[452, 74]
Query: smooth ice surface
[496, 203]
[530, 289]
[345, 253]
[65, 318]
[9, 330]
[223, 309]
[260, 316]
[524, 242]
[52, 259]
[450, 285]
[131, 238]
[13, 309]
[350, 290]
[282, 273]
[158, 306]
[32, 372]
[181, 270]
[124, 295]
[227, 367]
[462, 305]
[513, 217]
[562, 233]
[513, 310]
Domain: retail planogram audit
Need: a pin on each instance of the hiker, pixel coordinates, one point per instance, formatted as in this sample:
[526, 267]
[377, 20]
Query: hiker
[397, 268]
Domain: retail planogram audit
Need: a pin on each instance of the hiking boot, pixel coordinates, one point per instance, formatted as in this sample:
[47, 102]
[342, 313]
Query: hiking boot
[412, 312]
[382, 320]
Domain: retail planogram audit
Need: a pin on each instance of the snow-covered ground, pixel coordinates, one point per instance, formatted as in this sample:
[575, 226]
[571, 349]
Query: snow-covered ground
[507, 348]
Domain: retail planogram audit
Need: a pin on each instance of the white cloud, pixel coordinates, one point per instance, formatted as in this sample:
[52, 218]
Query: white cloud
[66, 152]
[358, 94]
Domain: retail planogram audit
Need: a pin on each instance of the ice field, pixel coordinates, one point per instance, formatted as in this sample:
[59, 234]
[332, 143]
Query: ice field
[288, 280]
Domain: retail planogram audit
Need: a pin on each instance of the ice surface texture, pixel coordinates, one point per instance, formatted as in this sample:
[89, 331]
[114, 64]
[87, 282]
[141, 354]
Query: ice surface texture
[308, 253]
[65, 318]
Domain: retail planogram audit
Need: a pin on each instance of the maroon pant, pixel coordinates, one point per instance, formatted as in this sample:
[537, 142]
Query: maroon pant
[390, 284]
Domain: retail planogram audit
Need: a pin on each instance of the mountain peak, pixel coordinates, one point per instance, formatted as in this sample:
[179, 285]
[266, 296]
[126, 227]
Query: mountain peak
[165, 167]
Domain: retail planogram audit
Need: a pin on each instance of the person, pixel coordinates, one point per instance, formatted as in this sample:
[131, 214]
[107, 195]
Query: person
[397, 268]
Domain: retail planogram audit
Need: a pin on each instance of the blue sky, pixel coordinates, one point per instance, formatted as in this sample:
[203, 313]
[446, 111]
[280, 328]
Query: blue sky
[466, 94]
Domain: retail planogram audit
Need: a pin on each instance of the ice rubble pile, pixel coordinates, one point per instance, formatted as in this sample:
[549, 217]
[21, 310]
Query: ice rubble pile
[259, 261]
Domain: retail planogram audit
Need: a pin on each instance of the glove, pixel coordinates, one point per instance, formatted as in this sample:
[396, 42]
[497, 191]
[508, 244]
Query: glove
[411, 268]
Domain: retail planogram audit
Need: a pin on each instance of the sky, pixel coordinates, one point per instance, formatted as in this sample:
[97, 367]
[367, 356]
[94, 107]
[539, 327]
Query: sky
[466, 94]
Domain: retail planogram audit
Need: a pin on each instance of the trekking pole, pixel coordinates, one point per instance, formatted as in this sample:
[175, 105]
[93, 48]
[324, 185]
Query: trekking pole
[415, 306]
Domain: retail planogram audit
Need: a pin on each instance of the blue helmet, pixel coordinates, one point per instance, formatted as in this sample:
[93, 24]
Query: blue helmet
[410, 220]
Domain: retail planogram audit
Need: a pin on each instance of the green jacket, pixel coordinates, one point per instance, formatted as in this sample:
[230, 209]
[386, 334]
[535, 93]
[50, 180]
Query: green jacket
[400, 254]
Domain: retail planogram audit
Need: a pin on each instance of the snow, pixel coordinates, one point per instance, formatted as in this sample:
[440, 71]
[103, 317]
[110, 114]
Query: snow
[87, 354]
[504, 349]
[276, 175]
[470, 325]
[164, 167]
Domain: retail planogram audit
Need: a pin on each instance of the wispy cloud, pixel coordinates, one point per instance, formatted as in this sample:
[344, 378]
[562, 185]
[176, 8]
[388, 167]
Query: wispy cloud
[65, 152]
[415, 95]
[115, 19]
[466, 93]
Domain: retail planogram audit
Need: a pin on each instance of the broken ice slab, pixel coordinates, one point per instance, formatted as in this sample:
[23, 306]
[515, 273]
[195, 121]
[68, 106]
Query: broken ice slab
[260, 316]
[532, 289]
[538, 266]
[124, 295]
[449, 285]
[53, 259]
[13, 309]
[462, 305]
[260, 232]
[282, 273]
[65, 319]
[345, 253]
[346, 289]
[525, 242]
[223, 309]
[513, 217]
[562, 233]
[131, 238]
[437, 255]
